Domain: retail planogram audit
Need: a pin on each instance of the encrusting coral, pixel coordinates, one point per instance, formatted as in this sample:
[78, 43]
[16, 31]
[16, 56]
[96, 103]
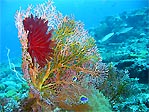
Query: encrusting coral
[60, 61]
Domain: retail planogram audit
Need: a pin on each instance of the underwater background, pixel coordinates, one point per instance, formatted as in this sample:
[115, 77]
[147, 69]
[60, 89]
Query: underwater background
[90, 12]
[121, 31]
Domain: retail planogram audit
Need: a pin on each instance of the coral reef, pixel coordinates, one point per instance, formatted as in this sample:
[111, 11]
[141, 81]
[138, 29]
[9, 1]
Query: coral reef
[63, 71]
[12, 89]
[123, 44]
[59, 61]
[128, 47]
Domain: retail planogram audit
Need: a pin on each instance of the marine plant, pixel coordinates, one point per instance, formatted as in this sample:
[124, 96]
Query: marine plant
[60, 60]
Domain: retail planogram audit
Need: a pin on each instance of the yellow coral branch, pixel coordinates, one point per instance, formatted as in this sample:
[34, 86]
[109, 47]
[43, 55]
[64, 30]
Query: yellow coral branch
[48, 72]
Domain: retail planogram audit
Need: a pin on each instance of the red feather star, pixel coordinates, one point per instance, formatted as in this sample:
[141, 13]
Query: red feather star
[40, 47]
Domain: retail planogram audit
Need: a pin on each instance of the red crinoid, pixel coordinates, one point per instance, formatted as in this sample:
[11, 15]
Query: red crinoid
[40, 47]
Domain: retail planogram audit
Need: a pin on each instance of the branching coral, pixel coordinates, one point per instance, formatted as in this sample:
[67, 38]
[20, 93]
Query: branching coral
[59, 59]
[118, 85]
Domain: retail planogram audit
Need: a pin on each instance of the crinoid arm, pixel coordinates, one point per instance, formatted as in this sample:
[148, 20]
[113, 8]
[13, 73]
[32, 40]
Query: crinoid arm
[40, 45]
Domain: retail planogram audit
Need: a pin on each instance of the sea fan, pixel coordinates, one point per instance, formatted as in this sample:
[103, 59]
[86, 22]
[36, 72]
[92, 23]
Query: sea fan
[40, 47]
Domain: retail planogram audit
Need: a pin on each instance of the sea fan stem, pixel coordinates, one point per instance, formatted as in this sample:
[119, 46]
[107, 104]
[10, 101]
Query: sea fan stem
[12, 67]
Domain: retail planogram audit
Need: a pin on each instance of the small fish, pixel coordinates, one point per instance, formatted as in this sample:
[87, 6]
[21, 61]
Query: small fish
[74, 78]
[124, 30]
[83, 99]
[106, 37]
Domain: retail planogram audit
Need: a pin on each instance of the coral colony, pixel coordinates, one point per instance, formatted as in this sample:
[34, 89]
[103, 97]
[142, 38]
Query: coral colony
[60, 60]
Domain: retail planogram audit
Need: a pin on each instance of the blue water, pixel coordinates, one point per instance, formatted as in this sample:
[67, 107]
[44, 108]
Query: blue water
[90, 12]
